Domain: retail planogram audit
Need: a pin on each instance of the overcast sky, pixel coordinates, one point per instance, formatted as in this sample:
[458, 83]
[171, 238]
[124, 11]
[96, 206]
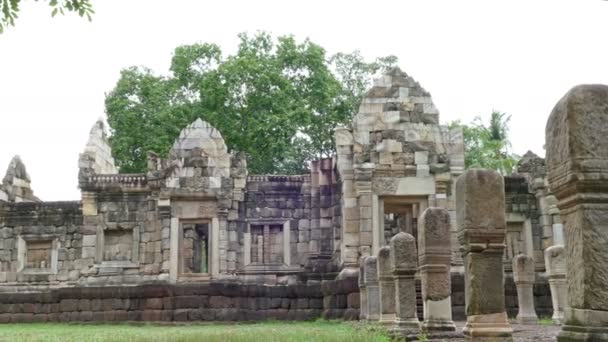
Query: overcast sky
[519, 57]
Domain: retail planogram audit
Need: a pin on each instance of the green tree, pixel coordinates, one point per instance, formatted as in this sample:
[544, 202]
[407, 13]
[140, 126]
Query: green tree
[278, 100]
[488, 146]
[10, 10]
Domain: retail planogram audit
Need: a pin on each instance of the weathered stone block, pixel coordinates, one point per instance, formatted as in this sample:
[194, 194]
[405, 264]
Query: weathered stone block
[154, 303]
[88, 252]
[68, 305]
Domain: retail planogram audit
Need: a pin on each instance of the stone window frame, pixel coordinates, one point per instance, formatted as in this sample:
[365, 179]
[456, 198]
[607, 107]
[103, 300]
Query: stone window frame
[286, 224]
[214, 242]
[100, 244]
[22, 253]
[180, 243]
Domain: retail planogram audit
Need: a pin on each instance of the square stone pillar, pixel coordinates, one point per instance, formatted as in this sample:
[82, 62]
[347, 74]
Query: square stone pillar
[577, 170]
[403, 265]
[523, 275]
[362, 291]
[480, 213]
[387, 286]
[555, 263]
[434, 255]
[370, 274]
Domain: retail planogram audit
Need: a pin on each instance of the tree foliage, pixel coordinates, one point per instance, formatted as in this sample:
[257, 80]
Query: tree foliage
[276, 99]
[10, 10]
[488, 146]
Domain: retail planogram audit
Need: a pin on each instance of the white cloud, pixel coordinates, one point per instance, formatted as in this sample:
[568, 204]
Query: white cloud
[473, 56]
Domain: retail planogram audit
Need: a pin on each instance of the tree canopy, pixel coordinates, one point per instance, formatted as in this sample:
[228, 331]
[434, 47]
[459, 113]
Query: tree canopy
[488, 145]
[10, 10]
[276, 99]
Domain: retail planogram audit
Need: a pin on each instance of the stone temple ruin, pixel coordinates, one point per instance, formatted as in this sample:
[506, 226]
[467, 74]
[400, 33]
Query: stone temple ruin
[392, 229]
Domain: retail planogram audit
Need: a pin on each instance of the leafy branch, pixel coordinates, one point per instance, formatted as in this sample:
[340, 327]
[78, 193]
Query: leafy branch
[10, 10]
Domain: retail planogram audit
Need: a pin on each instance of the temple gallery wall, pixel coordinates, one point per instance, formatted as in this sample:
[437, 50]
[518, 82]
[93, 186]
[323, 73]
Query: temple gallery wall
[198, 217]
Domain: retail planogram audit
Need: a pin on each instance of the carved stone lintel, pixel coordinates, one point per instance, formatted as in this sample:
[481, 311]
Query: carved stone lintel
[385, 185]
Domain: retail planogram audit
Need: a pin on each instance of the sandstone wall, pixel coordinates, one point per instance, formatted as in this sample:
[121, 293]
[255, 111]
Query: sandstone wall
[279, 199]
[129, 221]
[219, 301]
[58, 222]
[213, 301]
[120, 234]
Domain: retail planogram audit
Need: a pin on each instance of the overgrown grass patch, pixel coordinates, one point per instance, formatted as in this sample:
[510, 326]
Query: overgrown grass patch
[269, 331]
[545, 321]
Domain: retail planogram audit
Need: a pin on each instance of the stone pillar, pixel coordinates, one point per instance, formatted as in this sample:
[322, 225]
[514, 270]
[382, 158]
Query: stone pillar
[555, 263]
[434, 257]
[480, 213]
[370, 273]
[366, 202]
[362, 291]
[349, 243]
[387, 286]
[404, 265]
[577, 169]
[523, 275]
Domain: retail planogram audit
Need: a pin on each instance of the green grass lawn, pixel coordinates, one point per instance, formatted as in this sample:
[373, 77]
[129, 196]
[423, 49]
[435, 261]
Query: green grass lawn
[266, 331]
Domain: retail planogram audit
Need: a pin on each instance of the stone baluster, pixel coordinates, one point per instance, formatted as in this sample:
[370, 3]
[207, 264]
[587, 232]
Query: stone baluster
[387, 286]
[434, 255]
[523, 275]
[403, 266]
[555, 263]
[480, 213]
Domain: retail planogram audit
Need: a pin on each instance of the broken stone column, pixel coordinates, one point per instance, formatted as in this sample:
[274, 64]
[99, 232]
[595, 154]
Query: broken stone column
[523, 276]
[555, 263]
[387, 286]
[480, 213]
[362, 291]
[404, 265]
[577, 168]
[370, 272]
[434, 257]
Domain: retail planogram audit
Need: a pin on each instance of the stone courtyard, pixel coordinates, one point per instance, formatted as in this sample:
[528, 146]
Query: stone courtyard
[392, 230]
